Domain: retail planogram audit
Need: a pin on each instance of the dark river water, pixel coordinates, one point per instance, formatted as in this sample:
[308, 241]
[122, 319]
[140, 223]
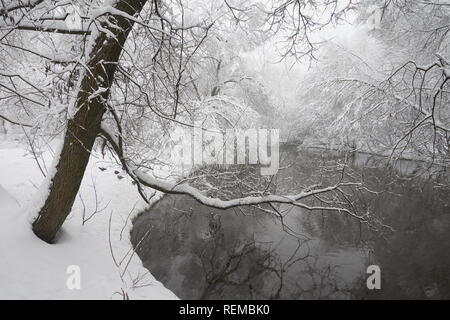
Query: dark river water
[244, 253]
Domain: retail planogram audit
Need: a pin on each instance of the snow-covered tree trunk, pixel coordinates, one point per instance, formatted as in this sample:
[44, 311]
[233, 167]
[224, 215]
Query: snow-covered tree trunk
[84, 125]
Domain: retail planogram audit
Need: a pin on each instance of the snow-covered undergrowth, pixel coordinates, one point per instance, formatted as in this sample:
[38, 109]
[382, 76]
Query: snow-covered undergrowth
[33, 269]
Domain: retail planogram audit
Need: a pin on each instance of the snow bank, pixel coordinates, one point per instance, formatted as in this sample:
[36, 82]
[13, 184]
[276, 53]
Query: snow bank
[32, 269]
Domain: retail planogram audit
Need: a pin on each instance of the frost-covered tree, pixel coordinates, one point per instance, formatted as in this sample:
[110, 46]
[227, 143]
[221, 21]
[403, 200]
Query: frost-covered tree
[125, 71]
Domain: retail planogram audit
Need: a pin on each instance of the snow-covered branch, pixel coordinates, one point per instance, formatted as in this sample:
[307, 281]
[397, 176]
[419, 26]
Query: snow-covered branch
[149, 180]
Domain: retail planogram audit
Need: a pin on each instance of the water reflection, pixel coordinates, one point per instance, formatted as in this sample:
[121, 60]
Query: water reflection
[201, 253]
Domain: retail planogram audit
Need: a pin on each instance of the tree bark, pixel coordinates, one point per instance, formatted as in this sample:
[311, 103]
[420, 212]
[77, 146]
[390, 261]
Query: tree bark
[83, 128]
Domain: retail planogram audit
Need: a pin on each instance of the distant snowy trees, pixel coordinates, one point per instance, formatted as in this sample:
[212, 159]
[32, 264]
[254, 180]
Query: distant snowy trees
[386, 89]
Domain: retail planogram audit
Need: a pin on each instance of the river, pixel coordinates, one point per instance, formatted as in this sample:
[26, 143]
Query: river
[203, 253]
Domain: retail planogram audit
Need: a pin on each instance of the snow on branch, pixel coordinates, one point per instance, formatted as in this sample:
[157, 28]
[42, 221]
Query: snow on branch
[148, 180]
[62, 23]
[16, 5]
[52, 27]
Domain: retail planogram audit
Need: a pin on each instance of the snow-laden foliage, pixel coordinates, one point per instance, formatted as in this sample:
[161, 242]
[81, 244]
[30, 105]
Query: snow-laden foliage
[385, 89]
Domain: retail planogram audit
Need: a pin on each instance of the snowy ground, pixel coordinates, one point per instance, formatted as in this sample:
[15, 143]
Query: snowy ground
[33, 269]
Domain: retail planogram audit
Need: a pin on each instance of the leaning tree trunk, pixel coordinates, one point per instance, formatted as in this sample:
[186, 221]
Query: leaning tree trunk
[83, 128]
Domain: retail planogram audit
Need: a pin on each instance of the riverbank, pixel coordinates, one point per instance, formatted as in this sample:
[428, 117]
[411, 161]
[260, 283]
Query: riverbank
[95, 236]
[387, 153]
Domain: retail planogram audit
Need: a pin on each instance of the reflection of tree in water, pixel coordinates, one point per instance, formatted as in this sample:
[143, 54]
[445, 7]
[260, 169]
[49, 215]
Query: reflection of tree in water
[200, 257]
[413, 256]
[229, 270]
